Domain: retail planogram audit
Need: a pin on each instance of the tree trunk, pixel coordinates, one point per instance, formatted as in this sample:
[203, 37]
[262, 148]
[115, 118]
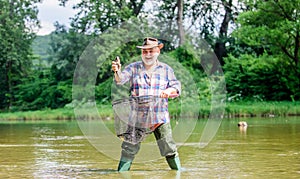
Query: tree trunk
[179, 21]
[9, 65]
[137, 6]
[219, 48]
[9, 84]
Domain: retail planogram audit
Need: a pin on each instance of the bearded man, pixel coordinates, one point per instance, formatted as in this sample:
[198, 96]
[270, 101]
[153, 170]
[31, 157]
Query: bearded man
[150, 77]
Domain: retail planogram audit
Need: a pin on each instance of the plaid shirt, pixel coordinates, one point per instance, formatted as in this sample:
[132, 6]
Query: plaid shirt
[143, 83]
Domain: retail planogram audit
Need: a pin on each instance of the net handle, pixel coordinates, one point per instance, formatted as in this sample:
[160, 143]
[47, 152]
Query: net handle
[173, 95]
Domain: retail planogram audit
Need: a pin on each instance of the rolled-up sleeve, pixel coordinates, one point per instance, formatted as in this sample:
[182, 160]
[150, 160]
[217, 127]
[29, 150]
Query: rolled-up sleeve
[173, 82]
[125, 75]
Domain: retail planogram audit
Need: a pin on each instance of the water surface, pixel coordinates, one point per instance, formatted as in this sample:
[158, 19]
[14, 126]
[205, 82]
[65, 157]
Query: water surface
[268, 148]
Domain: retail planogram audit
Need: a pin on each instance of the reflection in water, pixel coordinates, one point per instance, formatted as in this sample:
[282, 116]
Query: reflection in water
[242, 125]
[59, 150]
[144, 174]
[243, 129]
[45, 153]
[53, 151]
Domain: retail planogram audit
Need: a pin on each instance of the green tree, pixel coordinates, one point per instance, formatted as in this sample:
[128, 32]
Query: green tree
[65, 49]
[215, 20]
[51, 87]
[98, 16]
[18, 20]
[256, 78]
[274, 26]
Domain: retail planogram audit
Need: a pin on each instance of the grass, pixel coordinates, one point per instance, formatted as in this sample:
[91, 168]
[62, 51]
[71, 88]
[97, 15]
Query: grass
[47, 114]
[262, 109]
[232, 109]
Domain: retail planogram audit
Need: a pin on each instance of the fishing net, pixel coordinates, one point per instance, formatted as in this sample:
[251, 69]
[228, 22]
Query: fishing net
[136, 117]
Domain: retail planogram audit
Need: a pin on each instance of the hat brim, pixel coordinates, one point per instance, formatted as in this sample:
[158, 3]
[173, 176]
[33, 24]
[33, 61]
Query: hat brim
[160, 46]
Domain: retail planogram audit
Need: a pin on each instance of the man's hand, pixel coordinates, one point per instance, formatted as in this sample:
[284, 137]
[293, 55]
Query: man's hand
[168, 92]
[116, 65]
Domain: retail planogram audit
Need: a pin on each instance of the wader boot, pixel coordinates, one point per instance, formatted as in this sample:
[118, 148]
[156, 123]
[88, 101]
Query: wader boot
[173, 162]
[124, 165]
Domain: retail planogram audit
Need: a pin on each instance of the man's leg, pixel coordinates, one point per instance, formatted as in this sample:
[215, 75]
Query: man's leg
[167, 145]
[127, 155]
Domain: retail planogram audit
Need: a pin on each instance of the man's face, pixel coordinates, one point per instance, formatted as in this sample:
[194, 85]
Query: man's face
[150, 55]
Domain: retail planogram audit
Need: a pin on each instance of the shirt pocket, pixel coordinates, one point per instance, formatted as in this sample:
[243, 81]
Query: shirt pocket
[161, 82]
[140, 82]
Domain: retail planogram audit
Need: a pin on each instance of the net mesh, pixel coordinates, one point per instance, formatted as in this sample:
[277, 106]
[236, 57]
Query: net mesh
[135, 117]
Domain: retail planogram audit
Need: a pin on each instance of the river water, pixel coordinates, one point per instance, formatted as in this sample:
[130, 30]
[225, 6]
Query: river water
[267, 148]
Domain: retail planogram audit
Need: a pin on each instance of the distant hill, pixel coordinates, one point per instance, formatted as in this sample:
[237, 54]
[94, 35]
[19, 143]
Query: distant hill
[40, 47]
[41, 44]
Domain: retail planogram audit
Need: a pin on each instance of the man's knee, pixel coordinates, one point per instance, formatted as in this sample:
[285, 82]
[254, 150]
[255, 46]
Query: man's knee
[167, 147]
[165, 141]
[130, 150]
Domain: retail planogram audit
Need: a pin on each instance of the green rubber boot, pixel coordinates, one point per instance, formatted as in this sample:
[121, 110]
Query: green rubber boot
[124, 165]
[174, 162]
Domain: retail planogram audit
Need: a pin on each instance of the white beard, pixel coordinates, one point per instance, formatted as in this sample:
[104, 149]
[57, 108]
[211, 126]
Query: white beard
[150, 60]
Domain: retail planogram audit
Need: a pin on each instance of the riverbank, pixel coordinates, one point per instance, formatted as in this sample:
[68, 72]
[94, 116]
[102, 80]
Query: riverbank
[232, 110]
[262, 109]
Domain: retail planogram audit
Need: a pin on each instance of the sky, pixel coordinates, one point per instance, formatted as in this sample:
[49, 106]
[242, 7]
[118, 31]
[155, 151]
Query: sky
[50, 12]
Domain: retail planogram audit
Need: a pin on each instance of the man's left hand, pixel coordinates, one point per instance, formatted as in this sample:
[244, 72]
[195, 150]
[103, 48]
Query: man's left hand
[168, 92]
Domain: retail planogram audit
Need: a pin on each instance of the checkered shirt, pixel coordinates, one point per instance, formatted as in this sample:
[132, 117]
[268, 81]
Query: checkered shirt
[143, 84]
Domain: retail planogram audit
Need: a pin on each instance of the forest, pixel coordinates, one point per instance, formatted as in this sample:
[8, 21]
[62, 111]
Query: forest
[256, 42]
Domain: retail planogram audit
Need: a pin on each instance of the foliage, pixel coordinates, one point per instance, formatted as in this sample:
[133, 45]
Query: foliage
[65, 50]
[98, 16]
[263, 63]
[262, 109]
[274, 28]
[41, 92]
[274, 25]
[233, 109]
[52, 87]
[17, 22]
[40, 47]
[257, 78]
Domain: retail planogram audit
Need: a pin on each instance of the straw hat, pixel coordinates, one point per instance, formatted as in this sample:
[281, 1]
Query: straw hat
[150, 42]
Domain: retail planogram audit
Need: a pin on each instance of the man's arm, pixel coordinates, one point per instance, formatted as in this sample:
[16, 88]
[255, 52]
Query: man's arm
[117, 76]
[116, 67]
[121, 77]
[174, 86]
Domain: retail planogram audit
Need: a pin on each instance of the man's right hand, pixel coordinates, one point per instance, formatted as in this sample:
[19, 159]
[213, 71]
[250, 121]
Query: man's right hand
[116, 65]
